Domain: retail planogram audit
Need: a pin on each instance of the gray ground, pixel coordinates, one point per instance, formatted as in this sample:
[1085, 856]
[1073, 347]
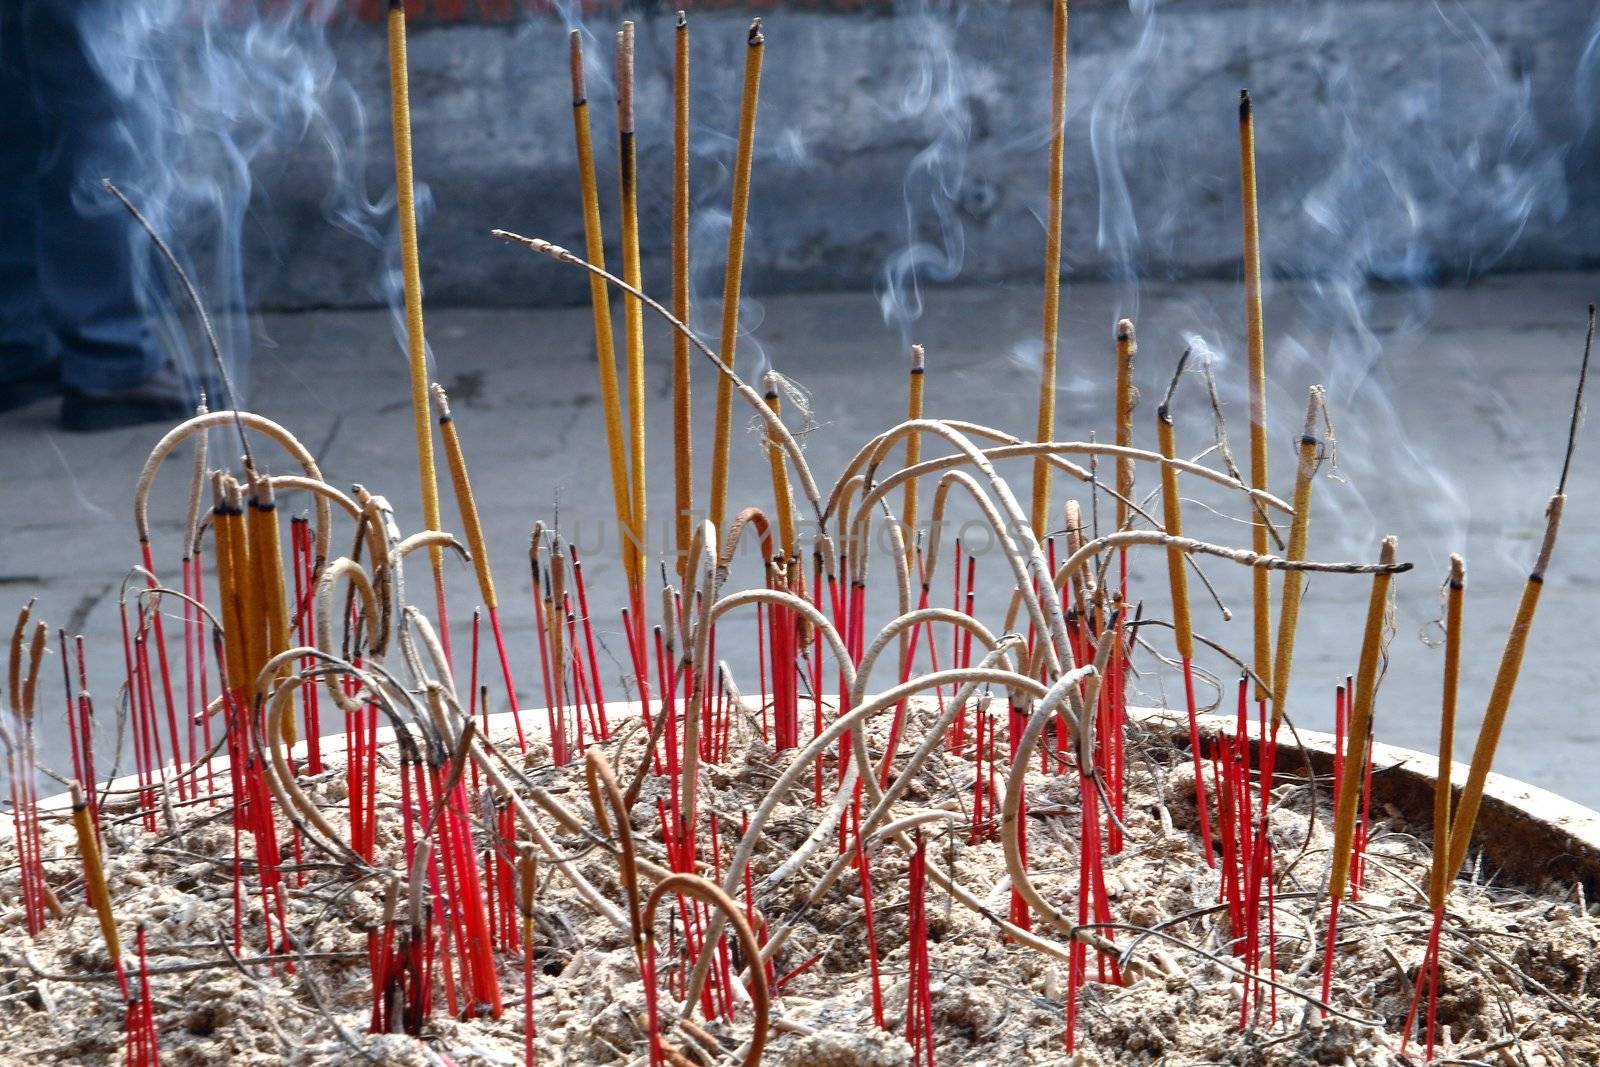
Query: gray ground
[1451, 438]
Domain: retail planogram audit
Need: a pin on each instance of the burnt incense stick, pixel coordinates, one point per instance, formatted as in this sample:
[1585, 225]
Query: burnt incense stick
[268, 558]
[1052, 262]
[599, 299]
[1455, 594]
[1294, 584]
[632, 310]
[783, 499]
[682, 411]
[914, 392]
[1178, 584]
[1360, 731]
[733, 272]
[411, 280]
[1261, 586]
[1127, 397]
[94, 874]
[1505, 680]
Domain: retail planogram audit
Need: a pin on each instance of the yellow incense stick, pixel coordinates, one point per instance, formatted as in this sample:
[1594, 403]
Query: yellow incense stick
[232, 558]
[682, 433]
[1505, 683]
[1360, 734]
[1505, 679]
[94, 873]
[411, 278]
[1127, 348]
[1052, 262]
[734, 271]
[1261, 583]
[1455, 593]
[632, 309]
[1294, 582]
[914, 391]
[466, 503]
[267, 556]
[605, 351]
[527, 871]
[1172, 519]
[780, 477]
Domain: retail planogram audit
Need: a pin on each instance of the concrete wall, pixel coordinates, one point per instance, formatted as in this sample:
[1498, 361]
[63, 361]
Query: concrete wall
[1395, 139]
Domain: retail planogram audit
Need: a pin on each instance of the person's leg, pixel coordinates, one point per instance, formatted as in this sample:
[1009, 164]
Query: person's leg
[90, 253]
[27, 372]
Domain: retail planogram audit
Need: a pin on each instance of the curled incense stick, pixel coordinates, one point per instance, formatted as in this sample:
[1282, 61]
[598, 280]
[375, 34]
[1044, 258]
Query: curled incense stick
[1046, 427]
[1454, 593]
[1360, 722]
[682, 413]
[1294, 584]
[1261, 587]
[733, 273]
[411, 280]
[94, 874]
[605, 345]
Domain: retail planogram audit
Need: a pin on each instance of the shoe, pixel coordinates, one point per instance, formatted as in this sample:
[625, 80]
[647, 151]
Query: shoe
[41, 383]
[166, 397]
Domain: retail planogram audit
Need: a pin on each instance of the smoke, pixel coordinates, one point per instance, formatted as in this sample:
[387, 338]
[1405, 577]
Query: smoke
[204, 93]
[1117, 235]
[934, 97]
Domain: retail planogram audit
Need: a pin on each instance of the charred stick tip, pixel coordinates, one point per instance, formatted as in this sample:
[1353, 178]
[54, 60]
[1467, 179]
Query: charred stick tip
[757, 38]
[1244, 105]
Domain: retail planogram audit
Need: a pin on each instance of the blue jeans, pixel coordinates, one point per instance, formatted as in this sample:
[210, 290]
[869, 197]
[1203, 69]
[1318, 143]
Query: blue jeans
[70, 256]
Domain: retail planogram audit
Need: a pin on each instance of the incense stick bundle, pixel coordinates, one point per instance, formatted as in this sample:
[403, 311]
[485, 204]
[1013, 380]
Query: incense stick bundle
[1261, 585]
[682, 431]
[733, 272]
[1046, 427]
[267, 555]
[599, 299]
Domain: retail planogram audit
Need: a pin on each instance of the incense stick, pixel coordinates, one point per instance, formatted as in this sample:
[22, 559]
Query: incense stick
[1455, 592]
[1505, 680]
[1294, 584]
[1052, 260]
[411, 279]
[599, 299]
[1261, 587]
[632, 312]
[914, 392]
[682, 412]
[734, 270]
[1360, 732]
